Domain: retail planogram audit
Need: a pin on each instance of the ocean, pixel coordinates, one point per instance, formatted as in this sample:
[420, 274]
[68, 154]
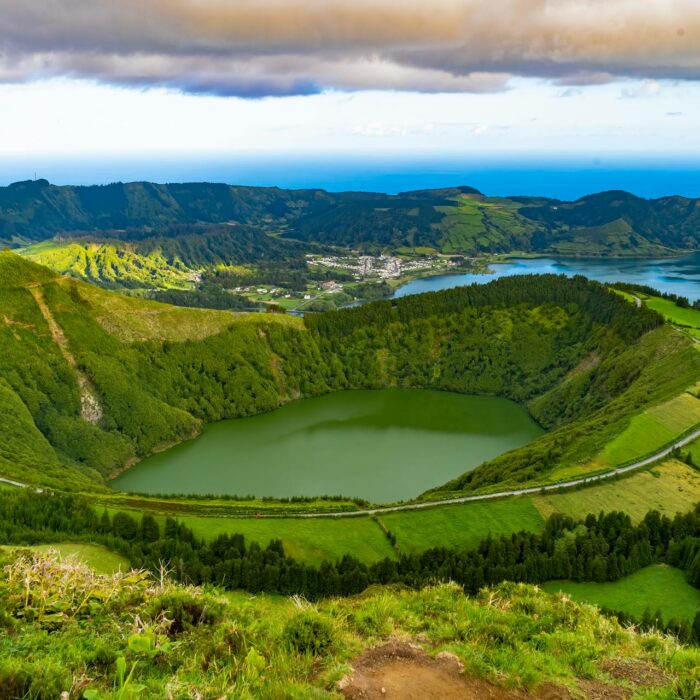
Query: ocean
[556, 178]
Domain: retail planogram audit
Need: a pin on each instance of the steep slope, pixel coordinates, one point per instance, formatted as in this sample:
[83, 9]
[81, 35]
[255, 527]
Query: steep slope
[528, 645]
[157, 372]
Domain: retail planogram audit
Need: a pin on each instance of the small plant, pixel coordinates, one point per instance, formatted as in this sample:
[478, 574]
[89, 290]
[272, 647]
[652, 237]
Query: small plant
[185, 610]
[308, 633]
[124, 686]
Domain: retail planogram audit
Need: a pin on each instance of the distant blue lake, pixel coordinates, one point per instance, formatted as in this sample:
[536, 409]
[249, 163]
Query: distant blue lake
[671, 275]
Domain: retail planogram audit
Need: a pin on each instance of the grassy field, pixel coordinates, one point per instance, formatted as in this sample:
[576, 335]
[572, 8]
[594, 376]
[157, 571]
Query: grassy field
[98, 558]
[694, 449]
[688, 318]
[461, 526]
[651, 430]
[671, 487]
[481, 224]
[657, 587]
[683, 317]
[132, 320]
[308, 539]
[311, 540]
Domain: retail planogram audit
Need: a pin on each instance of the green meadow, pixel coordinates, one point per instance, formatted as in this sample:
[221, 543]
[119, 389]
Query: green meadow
[461, 526]
[683, 317]
[657, 587]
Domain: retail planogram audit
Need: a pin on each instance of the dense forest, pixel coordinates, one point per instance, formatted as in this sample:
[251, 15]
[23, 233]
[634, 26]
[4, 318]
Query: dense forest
[521, 338]
[604, 547]
[451, 220]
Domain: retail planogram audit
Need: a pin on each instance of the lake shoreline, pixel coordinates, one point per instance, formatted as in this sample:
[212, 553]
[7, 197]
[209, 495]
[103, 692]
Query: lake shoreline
[340, 443]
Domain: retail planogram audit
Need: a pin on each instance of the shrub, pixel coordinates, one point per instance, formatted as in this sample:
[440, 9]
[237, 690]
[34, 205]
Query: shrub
[308, 633]
[101, 656]
[186, 610]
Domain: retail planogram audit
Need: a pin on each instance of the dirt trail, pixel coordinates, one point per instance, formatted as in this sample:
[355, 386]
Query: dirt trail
[400, 670]
[403, 671]
[90, 407]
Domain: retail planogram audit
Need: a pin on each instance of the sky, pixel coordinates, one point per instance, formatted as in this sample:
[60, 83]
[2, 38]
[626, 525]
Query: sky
[594, 79]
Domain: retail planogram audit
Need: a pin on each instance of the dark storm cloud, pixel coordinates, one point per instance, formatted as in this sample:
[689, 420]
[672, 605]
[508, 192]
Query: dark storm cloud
[282, 47]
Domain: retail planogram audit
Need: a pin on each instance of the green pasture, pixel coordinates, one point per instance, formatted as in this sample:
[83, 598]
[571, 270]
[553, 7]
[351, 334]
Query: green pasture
[658, 587]
[652, 430]
[461, 526]
[671, 487]
[308, 539]
[684, 317]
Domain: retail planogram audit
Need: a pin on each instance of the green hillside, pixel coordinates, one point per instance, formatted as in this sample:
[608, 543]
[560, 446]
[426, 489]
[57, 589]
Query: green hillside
[511, 642]
[156, 373]
[111, 265]
[654, 588]
[201, 223]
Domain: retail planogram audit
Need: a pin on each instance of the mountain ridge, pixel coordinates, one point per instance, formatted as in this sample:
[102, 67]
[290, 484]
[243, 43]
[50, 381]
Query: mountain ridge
[448, 220]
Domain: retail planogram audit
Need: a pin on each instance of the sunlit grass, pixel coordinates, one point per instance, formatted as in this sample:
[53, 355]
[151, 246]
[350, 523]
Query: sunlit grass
[657, 587]
[672, 487]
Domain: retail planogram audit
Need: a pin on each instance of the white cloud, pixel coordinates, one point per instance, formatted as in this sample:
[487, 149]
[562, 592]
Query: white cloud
[254, 48]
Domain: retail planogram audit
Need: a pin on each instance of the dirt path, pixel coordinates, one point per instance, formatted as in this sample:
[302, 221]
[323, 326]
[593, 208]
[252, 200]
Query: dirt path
[400, 670]
[90, 408]
[403, 671]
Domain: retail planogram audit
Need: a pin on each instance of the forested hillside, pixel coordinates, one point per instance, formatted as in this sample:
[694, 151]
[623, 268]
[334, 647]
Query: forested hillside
[157, 372]
[449, 220]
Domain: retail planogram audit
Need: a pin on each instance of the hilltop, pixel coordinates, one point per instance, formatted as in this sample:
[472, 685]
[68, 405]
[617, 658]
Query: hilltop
[457, 220]
[130, 635]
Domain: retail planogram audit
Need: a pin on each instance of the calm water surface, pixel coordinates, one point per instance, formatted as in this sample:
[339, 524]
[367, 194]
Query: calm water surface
[672, 275]
[380, 445]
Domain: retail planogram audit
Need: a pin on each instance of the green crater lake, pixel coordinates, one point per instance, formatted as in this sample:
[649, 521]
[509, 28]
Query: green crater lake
[384, 446]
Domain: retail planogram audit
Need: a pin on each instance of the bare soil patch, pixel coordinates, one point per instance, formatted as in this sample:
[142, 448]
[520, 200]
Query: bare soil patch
[403, 671]
[643, 674]
[400, 670]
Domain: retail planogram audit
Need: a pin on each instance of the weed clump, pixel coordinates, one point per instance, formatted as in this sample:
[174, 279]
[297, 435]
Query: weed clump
[185, 611]
[308, 633]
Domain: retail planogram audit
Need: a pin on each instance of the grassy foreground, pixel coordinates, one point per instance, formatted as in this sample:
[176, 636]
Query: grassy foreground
[73, 634]
[657, 587]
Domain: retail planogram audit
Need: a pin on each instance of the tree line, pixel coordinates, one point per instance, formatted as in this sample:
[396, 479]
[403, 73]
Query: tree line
[601, 548]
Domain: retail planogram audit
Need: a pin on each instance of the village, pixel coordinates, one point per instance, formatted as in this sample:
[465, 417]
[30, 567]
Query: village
[359, 277]
[382, 266]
